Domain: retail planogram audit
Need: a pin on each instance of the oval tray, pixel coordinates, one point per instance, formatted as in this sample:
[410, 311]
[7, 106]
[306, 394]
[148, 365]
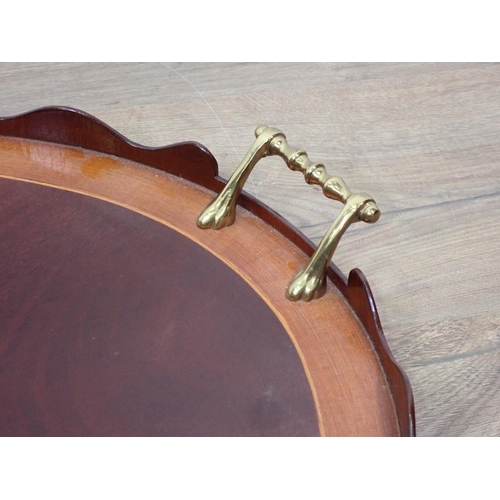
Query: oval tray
[121, 317]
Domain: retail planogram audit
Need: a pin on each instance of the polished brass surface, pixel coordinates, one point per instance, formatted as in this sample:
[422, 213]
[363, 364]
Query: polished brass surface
[310, 283]
[222, 211]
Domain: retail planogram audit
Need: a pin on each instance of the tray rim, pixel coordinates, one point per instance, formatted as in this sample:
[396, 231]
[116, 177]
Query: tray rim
[193, 162]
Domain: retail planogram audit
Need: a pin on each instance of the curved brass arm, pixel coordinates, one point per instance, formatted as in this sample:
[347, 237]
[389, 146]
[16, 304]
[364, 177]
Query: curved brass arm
[310, 283]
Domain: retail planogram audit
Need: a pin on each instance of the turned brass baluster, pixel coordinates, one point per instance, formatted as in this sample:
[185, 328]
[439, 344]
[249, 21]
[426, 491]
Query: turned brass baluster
[310, 283]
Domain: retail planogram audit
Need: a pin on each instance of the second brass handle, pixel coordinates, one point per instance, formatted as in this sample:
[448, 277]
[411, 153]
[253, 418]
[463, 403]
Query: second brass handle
[310, 283]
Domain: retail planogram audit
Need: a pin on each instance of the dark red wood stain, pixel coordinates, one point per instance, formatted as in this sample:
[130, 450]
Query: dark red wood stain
[115, 325]
[194, 162]
[361, 299]
[73, 127]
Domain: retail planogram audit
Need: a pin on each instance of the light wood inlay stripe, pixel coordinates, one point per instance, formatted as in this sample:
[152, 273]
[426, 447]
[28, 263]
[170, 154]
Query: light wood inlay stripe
[346, 379]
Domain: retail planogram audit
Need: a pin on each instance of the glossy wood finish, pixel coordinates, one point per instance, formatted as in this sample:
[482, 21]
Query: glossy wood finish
[51, 124]
[189, 160]
[422, 138]
[111, 327]
[347, 382]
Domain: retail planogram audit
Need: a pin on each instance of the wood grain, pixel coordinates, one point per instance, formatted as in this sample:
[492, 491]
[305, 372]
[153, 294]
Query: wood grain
[70, 127]
[111, 327]
[349, 387]
[423, 139]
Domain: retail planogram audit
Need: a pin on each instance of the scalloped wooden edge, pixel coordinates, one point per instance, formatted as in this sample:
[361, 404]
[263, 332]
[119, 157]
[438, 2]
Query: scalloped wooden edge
[193, 162]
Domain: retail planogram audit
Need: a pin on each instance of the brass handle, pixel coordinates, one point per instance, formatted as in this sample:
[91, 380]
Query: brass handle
[310, 283]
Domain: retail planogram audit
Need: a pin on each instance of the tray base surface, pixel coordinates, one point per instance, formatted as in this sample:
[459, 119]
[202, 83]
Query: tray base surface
[112, 327]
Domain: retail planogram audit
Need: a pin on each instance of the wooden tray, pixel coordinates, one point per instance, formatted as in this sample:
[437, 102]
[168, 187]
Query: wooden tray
[120, 317]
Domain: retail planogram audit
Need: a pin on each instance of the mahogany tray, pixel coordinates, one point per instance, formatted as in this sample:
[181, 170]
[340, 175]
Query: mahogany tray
[121, 317]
